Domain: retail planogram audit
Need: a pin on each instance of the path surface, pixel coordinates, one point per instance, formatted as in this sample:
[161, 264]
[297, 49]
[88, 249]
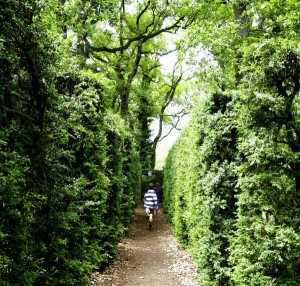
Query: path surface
[149, 258]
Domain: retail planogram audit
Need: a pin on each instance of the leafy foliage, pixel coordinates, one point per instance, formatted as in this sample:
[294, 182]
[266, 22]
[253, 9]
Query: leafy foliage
[246, 213]
[80, 84]
[69, 166]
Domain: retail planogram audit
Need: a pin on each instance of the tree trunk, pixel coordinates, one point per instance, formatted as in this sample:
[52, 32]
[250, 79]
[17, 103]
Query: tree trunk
[243, 20]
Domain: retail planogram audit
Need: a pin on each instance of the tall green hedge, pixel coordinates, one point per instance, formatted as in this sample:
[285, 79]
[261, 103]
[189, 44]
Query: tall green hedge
[70, 166]
[199, 185]
[181, 178]
[236, 206]
[266, 246]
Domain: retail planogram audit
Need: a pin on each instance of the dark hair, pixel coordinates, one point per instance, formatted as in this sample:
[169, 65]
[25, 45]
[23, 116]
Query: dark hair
[157, 185]
[151, 186]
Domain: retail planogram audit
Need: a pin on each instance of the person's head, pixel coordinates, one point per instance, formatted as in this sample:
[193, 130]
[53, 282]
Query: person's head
[150, 186]
[157, 186]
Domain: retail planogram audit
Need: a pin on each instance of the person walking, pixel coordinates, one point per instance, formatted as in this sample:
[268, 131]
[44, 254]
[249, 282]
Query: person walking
[150, 203]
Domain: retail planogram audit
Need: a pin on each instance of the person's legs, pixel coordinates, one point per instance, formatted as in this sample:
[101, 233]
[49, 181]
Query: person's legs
[150, 218]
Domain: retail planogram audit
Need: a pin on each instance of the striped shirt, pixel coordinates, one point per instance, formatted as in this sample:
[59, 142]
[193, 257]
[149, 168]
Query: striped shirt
[150, 199]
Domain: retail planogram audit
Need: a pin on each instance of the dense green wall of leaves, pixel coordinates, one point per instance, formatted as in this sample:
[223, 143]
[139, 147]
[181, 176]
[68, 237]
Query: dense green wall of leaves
[70, 166]
[199, 188]
[231, 189]
[243, 225]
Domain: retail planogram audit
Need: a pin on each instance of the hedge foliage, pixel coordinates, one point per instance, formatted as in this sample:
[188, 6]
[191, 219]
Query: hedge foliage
[232, 188]
[68, 191]
[70, 166]
[239, 211]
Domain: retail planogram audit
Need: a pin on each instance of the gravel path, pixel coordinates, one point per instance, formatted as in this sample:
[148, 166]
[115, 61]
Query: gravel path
[149, 258]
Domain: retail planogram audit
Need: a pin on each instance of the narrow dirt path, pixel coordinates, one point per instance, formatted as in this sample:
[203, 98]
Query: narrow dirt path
[149, 258]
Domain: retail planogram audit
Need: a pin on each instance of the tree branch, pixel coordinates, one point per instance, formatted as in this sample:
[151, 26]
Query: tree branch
[174, 126]
[159, 54]
[168, 99]
[142, 12]
[140, 38]
[136, 64]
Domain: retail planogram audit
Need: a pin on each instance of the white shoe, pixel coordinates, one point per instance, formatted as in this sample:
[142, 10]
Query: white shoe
[151, 217]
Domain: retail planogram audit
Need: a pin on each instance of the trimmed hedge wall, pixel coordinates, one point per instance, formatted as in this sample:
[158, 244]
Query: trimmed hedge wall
[68, 190]
[70, 165]
[232, 194]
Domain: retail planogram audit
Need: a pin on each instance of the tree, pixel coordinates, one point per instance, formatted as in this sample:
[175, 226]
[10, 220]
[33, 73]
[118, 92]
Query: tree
[123, 47]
